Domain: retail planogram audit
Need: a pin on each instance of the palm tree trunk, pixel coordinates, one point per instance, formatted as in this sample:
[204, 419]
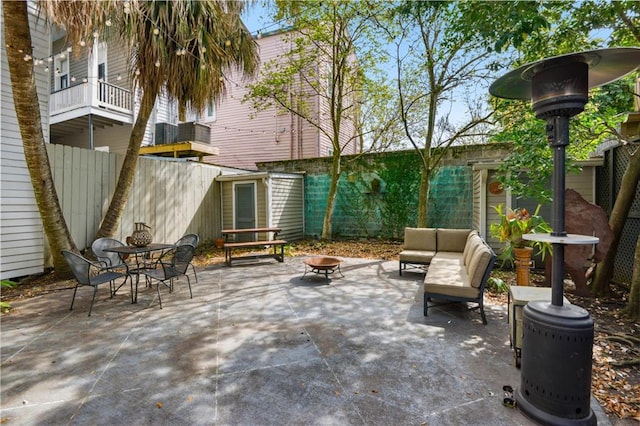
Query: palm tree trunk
[113, 216]
[25, 98]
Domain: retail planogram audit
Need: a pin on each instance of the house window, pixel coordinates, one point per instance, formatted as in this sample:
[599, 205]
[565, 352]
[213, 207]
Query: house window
[64, 81]
[209, 113]
[62, 73]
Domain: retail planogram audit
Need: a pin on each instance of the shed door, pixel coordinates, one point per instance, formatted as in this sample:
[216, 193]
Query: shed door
[245, 208]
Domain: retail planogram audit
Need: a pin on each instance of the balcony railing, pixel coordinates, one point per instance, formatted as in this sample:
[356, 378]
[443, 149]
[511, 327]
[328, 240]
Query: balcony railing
[105, 95]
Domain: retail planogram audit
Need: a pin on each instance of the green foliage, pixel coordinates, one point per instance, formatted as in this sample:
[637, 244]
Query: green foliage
[516, 223]
[569, 27]
[497, 285]
[359, 204]
[402, 177]
[5, 306]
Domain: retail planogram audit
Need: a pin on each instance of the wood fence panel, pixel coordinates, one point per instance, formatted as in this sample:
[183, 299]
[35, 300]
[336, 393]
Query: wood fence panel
[174, 198]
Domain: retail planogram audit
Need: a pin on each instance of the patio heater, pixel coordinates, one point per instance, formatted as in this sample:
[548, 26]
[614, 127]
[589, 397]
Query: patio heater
[557, 345]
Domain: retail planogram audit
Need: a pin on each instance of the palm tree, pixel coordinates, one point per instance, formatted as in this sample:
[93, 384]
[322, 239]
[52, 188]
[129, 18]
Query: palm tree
[183, 49]
[17, 35]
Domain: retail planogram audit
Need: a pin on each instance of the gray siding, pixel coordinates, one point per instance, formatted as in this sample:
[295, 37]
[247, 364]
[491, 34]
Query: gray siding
[21, 233]
[287, 206]
[280, 203]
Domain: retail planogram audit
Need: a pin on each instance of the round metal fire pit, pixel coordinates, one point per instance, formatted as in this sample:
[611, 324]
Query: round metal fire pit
[556, 364]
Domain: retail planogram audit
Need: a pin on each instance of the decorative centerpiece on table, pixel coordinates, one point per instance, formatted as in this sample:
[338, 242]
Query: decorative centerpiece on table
[141, 236]
[513, 225]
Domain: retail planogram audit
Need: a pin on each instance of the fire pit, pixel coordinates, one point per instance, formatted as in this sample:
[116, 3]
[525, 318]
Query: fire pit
[322, 265]
[557, 344]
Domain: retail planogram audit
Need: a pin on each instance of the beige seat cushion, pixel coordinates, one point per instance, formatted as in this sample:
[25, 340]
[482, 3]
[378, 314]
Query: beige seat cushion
[448, 276]
[452, 239]
[420, 239]
[451, 290]
[417, 256]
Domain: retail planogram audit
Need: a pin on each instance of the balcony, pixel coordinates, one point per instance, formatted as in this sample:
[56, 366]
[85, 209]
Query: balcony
[101, 98]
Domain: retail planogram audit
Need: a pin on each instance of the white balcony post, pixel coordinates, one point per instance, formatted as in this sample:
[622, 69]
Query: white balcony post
[92, 69]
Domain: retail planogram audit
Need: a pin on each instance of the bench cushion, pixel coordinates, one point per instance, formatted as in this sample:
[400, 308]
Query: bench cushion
[416, 256]
[452, 239]
[420, 239]
[447, 276]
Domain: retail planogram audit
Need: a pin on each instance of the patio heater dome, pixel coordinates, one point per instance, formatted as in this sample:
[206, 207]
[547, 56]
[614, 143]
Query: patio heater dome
[565, 78]
[557, 344]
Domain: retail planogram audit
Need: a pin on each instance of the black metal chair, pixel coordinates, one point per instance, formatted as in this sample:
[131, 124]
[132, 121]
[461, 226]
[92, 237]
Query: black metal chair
[92, 274]
[171, 264]
[194, 240]
[108, 258]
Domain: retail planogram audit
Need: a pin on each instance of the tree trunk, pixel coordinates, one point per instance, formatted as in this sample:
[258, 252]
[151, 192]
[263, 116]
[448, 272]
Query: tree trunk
[633, 307]
[619, 213]
[423, 198]
[331, 198]
[125, 179]
[25, 98]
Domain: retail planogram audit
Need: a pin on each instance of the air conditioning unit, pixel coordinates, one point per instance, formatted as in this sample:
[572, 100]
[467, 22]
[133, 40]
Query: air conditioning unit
[166, 134]
[194, 132]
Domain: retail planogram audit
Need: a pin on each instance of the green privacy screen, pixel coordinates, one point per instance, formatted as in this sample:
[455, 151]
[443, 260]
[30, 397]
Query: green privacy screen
[380, 200]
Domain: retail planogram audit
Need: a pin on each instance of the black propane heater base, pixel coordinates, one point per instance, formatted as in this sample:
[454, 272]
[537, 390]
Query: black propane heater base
[556, 364]
[544, 418]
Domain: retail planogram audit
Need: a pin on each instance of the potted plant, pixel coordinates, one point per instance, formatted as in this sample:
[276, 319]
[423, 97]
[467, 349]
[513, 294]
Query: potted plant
[512, 226]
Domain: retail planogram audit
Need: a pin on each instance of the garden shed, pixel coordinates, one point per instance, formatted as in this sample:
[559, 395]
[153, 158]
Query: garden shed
[263, 199]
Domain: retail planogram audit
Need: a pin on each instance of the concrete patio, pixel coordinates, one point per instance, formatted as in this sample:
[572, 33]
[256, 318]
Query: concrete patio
[259, 346]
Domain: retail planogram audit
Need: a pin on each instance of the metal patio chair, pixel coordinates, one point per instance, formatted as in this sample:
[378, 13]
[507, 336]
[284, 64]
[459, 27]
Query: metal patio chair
[107, 258]
[171, 264]
[194, 240]
[92, 274]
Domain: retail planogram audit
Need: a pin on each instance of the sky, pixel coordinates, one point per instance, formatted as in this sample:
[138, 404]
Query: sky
[256, 18]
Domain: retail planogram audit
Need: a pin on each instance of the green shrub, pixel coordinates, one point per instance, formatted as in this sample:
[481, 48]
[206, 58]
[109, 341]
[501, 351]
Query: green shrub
[5, 306]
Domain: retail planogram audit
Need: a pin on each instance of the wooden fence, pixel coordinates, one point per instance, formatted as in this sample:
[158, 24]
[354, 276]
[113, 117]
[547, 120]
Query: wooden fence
[174, 198]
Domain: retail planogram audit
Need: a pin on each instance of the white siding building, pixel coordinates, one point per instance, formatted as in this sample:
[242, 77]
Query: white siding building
[21, 231]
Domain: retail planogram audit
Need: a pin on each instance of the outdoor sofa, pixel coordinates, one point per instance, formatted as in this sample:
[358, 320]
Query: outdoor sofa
[459, 263]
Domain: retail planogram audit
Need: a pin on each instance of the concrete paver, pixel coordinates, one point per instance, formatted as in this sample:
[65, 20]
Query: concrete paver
[259, 346]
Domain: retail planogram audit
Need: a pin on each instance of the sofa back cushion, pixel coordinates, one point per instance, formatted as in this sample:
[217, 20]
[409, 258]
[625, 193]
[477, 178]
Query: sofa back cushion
[472, 242]
[420, 239]
[452, 239]
[478, 264]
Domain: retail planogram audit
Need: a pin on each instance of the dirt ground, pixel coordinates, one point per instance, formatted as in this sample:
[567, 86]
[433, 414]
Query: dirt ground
[616, 352]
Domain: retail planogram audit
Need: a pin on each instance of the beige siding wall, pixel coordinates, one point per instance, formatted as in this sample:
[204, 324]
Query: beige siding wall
[228, 200]
[583, 182]
[477, 199]
[492, 201]
[21, 233]
[227, 205]
[280, 203]
[287, 206]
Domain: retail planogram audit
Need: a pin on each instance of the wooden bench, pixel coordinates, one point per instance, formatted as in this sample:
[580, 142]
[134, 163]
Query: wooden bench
[275, 243]
[277, 254]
